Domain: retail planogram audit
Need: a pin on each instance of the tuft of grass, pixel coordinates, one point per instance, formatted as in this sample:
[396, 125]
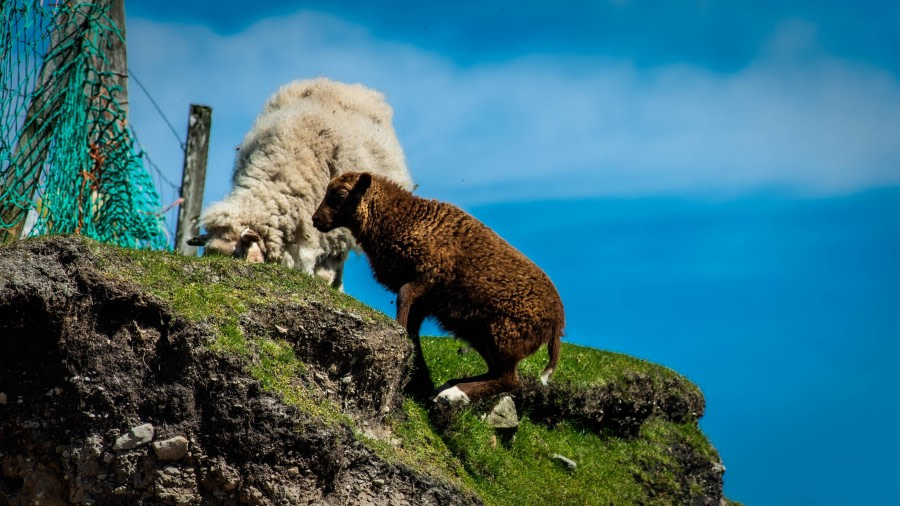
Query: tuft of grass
[230, 339]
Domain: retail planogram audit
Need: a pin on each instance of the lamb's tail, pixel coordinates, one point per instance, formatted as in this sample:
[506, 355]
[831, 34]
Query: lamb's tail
[553, 350]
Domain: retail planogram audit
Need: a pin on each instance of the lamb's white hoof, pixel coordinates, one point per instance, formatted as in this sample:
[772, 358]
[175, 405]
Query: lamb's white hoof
[454, 396]
[545, 379]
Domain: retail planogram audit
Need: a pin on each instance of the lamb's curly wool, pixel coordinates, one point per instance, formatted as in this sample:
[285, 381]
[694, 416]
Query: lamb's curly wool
[442, 262]
[308, 132]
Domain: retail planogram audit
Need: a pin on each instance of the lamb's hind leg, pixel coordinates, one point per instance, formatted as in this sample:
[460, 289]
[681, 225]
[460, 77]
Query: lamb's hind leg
[466, 390]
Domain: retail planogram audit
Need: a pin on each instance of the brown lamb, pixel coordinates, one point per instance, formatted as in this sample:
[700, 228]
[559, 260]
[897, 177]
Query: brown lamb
[442, 262]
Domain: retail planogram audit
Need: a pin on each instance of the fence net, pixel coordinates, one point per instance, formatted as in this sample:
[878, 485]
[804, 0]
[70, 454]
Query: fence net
[67, 158]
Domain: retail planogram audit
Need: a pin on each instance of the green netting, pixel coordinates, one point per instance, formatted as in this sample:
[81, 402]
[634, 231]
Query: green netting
[67, 159]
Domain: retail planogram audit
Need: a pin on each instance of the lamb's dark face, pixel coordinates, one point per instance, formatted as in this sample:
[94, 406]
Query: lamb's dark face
[342, 197]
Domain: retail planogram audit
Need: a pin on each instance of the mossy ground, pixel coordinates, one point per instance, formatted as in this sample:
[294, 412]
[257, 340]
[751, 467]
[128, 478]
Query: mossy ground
[611, 470]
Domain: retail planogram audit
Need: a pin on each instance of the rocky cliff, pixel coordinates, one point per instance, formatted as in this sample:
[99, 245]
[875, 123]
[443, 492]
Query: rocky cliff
[148, 378]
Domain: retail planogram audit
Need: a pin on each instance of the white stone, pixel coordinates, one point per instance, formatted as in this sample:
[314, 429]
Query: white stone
[171, 449]
[503, 416]
[569, 463]
[137, 436]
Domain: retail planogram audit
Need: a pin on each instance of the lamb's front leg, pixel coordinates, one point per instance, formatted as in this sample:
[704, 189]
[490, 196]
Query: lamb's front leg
[411, 316]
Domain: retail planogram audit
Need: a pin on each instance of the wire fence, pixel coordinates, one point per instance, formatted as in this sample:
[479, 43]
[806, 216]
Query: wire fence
[68, 163]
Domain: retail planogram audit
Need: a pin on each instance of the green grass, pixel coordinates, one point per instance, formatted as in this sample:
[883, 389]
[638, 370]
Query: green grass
[610, 470]
[213, 288]
[217, 292]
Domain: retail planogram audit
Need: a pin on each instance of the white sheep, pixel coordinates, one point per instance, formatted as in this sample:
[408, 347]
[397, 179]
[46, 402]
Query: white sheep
[309, 132]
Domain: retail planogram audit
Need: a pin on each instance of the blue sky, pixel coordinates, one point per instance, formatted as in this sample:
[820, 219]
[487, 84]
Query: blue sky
[512, 102]
[733, 169]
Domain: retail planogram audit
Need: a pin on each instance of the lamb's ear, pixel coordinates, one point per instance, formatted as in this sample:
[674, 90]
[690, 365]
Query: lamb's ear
[363, 182]
[199, 240]
[249, 235]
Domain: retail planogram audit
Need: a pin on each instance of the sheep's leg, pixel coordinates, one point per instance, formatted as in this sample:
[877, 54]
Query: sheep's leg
[502, 376]
[411, 318]
[462, 391]
[306, 258]
[406, 297]
[492, 373]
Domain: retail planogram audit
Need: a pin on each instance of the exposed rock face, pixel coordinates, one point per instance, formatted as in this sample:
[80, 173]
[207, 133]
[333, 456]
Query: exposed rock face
[84, 361]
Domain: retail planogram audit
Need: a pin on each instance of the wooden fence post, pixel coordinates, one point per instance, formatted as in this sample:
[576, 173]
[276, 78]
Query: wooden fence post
[193, 178]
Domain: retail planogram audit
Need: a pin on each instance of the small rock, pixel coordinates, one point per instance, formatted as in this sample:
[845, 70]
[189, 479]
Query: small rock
[293, 471]
[378, 481]
[718, 468]
[137, 436]
[171, 449]
[347, 379]
[281, 329]
[503, 416]
[2, 398]
[569, 463]
[229, 483]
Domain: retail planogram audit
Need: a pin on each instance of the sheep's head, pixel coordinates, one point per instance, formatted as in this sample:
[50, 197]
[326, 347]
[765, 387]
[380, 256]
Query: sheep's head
[342, 198]
[247, 244]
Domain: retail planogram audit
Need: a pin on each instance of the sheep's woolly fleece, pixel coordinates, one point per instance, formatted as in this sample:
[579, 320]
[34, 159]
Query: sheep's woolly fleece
[309, 132]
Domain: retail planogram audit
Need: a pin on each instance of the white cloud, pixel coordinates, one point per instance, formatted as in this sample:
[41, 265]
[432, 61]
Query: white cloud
[544, 126]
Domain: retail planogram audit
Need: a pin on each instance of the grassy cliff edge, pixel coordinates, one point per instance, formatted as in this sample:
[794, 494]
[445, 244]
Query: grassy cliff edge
[629, 425]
